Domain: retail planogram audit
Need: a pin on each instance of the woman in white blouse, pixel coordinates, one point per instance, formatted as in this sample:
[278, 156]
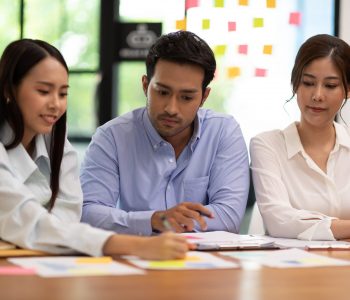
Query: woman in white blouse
[301, 174]
[40, 195]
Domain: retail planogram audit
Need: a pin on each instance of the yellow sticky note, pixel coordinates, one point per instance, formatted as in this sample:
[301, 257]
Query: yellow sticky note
[258, 22]
[94, 260]
[205, 24]
[267, 49]
[243, 2]
[181, 24]
[270, 3]
[219, 3]
[233, 72]
[167, 264]
[220, 50]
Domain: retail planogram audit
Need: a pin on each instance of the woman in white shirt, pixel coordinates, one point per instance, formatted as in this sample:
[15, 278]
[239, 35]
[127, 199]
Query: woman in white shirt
[40, 195]
[301, 173]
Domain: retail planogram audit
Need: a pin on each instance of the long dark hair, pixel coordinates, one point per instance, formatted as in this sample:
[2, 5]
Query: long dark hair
[17, 59]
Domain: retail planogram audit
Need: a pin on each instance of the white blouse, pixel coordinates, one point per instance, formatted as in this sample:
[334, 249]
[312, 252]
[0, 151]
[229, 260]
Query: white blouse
[295, 197]
[25, 191]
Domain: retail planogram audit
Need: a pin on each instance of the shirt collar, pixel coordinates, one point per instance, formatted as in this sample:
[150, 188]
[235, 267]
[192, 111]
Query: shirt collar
[292, 139]
[156, 140]
[19, 157]
[294, 145]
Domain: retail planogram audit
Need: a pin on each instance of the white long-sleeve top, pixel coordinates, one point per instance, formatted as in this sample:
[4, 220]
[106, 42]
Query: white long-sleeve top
[295, 197]
[25, 191]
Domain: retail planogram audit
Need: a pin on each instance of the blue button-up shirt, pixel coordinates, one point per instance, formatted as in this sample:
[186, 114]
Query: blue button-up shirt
[130, 171]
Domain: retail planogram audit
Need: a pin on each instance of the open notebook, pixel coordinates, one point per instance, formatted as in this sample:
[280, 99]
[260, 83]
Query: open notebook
[222, 240]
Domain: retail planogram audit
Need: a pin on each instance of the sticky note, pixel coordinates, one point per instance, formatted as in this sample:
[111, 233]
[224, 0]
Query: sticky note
[181, 24]
[258, 22]
[267, 49]
[220, 49]
[243, 2]
[243, 49]
[294, 18]
[233, 72]
[232, 26]
[260, 72]
[94, 260]
[168, 264]
[219, 3]
[14, 270]
[191, 3]
[205, 24]
[270, 3]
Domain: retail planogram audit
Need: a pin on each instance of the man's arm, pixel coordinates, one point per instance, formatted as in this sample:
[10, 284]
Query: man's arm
[100, 184]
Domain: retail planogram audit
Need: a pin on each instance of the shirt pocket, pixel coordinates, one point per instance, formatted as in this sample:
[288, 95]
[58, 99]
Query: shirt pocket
[195, 189]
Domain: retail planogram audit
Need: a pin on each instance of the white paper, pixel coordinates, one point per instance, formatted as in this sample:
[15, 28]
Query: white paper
[64, 266]
[193, 260]
[302, 244]
[216, 240]
[297, 258]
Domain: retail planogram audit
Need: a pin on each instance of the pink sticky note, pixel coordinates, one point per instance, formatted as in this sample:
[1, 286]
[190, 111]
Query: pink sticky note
[243, 49]
[232, 26]
[260, 72]
[294, 18]
[12, 270]
[191, 3]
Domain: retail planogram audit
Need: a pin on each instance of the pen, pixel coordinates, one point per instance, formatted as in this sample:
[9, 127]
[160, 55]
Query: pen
[166, 223]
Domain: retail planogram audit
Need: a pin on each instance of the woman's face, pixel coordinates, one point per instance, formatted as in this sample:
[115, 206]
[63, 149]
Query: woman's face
[320, 93]
[42, 97]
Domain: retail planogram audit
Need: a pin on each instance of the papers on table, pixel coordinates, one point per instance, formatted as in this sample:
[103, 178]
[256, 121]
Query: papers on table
[220, 240]
[75, 266]
[287, 258]
[294, 243]
[193, 260]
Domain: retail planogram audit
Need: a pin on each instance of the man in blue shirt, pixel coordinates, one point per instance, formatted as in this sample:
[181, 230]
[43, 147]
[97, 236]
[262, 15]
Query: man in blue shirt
[171, 160]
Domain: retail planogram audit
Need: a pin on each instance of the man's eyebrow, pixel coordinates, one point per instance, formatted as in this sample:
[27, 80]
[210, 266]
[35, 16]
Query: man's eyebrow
[183, 90]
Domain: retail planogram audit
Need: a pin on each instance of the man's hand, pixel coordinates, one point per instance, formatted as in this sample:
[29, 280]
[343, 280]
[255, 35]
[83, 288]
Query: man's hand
[182, 217]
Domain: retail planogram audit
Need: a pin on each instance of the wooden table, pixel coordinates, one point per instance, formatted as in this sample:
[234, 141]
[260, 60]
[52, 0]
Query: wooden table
[263, 283]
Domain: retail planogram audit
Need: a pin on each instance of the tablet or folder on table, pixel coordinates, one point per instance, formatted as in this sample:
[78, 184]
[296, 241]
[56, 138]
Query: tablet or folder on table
[222, 240]
[10, 250]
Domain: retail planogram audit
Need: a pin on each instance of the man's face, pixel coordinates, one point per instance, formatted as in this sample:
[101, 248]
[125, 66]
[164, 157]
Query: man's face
[174, 96]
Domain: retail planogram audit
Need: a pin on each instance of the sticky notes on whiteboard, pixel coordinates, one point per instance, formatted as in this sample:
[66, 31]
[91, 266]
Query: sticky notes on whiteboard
[294, 18]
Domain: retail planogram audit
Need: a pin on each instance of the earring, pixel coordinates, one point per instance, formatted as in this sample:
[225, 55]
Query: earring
[7, 100]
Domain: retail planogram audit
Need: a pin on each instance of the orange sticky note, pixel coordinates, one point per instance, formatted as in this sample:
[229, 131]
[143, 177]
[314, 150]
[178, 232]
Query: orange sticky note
[181, 24]
[205, 24]
[243, 49]
[267, 49]
[270, 3]
[219, 3]
[260, 72]
[220, 50]
[191, 3]
[233, 72]
[243, 2]
[294, 18]
[232, 26]
[258, 22]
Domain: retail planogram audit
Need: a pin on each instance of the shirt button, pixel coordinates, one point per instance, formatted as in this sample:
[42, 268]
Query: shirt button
[171, 160]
